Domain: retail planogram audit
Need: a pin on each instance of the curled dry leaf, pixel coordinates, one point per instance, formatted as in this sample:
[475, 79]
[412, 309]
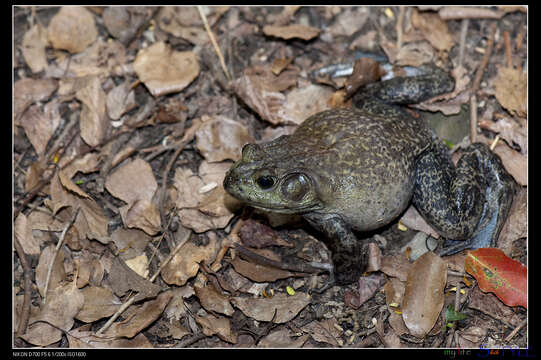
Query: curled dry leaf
[164, 70]
[72, 29]
[33, 48]
[220, 138]
[135, 184]
[291, 31]
[423, 297]
[263, 309]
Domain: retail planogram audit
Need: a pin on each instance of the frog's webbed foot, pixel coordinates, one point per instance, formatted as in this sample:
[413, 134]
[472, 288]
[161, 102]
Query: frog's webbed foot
[348, 255]
[469, 203]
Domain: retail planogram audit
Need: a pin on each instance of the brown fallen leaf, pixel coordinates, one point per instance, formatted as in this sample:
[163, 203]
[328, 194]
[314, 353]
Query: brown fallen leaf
[285, 307]
[306, 101]
[185, 264]
[510, 130]
[123, 279]
[93, 121]
[423, 297]
[211, 299]
[63, 303]
[33, 48]
[120, 100]
[165, 71]
[220, 138]
[72, 29]
[99, 302]
[368, 285]
[257, 272]
[124, 22]
[22, 231]
[510, 87]
[291, 31]
[58, 273]
[324, 331]
[396, 266]
[135, 184]
[27, 91]
[434, 29]
[221, 326]
[82, 337]
[282, 338]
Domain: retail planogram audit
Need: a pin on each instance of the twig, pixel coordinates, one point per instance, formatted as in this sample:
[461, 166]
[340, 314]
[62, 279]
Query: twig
[214, 43]
[463, 32]
[516, 330]
[58, 245]
[484, 61]
[473, 117]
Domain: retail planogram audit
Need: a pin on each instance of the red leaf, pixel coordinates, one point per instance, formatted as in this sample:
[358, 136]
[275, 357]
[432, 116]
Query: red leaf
[497, 273]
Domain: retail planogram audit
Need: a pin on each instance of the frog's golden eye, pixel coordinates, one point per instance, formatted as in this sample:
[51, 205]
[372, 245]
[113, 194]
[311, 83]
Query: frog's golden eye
[295, 186]
[265, 182]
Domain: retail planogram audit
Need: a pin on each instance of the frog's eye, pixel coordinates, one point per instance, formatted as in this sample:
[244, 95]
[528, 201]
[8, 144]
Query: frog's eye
[295, 187]
[265, 182]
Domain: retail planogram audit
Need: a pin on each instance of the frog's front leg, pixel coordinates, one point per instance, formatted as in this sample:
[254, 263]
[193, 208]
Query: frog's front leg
[348, 254]
[468, 203]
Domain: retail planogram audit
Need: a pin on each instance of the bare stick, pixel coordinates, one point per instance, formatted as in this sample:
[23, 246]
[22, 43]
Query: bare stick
[484, 61]
[214, 43]
[173, 253]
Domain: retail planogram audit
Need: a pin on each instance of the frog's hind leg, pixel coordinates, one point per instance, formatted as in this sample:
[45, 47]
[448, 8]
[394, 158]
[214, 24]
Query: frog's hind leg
[469, 202]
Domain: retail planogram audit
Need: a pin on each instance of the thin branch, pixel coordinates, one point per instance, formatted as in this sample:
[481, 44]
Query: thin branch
[214, 43]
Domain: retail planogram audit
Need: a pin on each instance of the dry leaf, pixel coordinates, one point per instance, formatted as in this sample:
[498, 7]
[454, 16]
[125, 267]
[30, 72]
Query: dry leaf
[120, 100]
[211, 299]
[282, 338]
[145, 315]
[304, 102]
[83, 338]
[184, 22]
[423, 297]
[93, 122]
[27, 91]
[324, 331]
[396, 266]
[124, 279]
[514, 162]
[72, 29]
[202, 201]
[291, 31]
[220, 138]
[217, 325]
[264, 309]
[62, 305]
[164, 70]
[510, 86]
[22, 231]
[135, 184]
[259, 273]
[434, 29]
[58, 273]
[99, 302]
[185, 264]
[33, 48]
[39, 126]
[124, 22]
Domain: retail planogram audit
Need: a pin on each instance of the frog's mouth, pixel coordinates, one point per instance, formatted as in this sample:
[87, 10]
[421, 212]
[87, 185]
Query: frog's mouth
[282, 209]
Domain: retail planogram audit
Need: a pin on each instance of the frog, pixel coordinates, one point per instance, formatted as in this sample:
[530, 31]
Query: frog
[355, 170]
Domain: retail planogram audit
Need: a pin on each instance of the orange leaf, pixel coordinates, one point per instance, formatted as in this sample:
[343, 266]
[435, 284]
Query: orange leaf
[499, 274]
